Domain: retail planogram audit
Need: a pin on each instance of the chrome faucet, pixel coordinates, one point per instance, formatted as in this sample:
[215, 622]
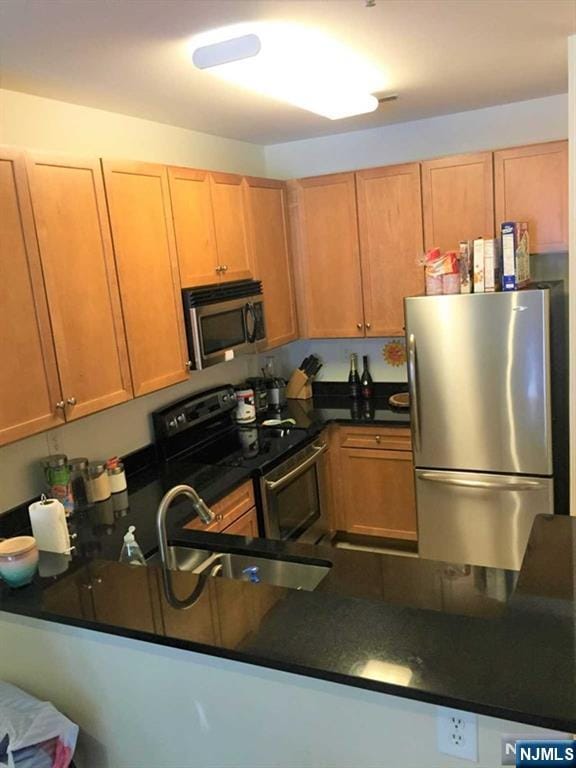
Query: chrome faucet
[200, 507]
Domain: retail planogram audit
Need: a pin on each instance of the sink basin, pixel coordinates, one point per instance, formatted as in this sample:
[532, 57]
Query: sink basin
[280, 573]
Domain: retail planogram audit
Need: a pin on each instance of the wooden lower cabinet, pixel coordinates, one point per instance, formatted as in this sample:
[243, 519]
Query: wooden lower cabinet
[232, 512]
[247, 525]
[374, 494]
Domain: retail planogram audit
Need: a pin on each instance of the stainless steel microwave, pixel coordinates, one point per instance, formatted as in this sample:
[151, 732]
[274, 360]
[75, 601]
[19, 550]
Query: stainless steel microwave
[223, 321]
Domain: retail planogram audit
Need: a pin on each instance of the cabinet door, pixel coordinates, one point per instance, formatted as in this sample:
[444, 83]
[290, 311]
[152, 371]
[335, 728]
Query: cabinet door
[458, 194]
[230, 226]
[391, 241]
[378, 492]
[142, 230]
[29, 386]
[193, 226]
[532, 186]
[247, 525]
[330, 284]
[81, 283]
[268, 236]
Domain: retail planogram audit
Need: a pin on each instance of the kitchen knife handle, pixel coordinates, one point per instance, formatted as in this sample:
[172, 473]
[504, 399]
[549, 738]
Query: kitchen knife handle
[413, 388]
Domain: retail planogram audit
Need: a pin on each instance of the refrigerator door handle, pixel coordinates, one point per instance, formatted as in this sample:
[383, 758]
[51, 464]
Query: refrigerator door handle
[487, 485]
[413, 389]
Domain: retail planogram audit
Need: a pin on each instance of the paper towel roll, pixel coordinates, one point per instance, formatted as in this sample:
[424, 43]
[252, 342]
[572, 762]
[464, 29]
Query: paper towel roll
[49, 528]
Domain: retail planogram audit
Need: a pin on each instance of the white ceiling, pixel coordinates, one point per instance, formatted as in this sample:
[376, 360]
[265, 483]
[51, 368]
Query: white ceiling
[130, 56]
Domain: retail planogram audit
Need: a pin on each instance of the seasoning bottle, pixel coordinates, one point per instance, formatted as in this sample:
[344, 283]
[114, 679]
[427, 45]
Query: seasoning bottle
[57, 477]
[116, 475]
[98, 485]
[78, 479]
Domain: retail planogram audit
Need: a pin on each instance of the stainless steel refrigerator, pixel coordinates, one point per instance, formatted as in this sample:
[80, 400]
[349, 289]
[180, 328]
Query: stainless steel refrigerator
[481, 404]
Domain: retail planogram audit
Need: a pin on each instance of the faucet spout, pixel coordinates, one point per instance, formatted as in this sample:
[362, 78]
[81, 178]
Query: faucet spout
[201, 508]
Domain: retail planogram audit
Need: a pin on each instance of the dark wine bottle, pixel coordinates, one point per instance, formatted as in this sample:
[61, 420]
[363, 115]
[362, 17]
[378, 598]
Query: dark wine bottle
[353, 377]
[366, 383]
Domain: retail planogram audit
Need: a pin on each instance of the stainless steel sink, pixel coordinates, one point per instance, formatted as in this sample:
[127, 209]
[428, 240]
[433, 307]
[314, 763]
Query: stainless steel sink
[280, 573]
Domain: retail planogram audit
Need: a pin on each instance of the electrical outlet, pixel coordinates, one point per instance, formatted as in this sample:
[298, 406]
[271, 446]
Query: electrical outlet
[457, 733]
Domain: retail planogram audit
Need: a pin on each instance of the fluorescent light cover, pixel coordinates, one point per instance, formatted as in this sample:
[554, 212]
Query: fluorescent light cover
[296, 64]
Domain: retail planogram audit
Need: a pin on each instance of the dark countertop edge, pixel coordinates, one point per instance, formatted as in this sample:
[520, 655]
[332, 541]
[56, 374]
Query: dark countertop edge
[425, 697]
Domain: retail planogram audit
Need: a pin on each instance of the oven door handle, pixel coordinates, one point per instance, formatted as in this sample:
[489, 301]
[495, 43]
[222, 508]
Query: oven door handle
[274, 485]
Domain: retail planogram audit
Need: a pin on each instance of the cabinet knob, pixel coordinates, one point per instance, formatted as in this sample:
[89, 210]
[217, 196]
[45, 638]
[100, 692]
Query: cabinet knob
[188, 365]
[378, 438]
[225, 268]
[71, 401]
[218, 269]
[368, 326]
[60, 405]
[359, 326]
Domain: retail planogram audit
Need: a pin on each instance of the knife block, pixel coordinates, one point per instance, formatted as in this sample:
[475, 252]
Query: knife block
[299, 387]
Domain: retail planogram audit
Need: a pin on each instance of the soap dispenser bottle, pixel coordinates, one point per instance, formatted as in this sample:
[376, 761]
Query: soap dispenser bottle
[131, 552]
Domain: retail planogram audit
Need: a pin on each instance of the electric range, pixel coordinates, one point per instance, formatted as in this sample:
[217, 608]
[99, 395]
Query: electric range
[287, 463]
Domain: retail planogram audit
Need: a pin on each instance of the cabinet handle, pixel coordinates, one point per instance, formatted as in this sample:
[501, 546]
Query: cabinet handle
[60, 405]
[359, 326]
[71, 401]
[368, 326]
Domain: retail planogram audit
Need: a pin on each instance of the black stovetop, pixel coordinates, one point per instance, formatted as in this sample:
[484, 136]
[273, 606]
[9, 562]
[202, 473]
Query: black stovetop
[251, 446]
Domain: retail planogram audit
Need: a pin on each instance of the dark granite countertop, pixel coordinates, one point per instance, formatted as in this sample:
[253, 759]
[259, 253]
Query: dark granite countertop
[474, 638]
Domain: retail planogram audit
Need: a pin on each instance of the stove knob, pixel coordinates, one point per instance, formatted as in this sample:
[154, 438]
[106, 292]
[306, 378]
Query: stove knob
[172, 424]
[180, 418]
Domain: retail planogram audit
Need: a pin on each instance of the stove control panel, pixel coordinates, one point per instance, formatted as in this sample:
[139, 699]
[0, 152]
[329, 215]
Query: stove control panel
[193, 411]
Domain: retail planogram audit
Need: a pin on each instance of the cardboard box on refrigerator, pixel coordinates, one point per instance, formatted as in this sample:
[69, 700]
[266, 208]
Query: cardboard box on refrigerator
[478, 265]
[492, 262]
[515, 255]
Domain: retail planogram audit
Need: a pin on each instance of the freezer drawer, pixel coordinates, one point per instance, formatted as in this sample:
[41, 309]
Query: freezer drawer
[481, 519]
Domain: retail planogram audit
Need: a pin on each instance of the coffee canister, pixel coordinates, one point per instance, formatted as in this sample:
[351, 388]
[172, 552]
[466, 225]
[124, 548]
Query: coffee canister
[58, 480]
[245, 406]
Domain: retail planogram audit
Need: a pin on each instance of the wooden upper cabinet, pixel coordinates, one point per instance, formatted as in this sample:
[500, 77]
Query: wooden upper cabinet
[143, 234]
[29, 386]
[531, 184]
[81, 284]
[268, 237]
[391, 241]
[230, 226]
[194, 226]
[458, 196]
[330, 283]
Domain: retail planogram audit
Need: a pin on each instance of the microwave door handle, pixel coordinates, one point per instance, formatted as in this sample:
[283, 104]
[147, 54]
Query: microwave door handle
[250, 315]
[275, 485]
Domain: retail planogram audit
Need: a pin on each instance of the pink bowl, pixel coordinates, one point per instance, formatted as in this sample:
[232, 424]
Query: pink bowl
[18, 560]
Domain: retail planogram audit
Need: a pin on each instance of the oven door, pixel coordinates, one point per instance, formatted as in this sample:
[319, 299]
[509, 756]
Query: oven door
[220, 332]
[293, 497]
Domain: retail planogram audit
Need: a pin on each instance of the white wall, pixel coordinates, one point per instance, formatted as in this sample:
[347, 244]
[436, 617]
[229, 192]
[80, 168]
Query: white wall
[572, 259]
[335, 356]
[506, 125]
[55, 126]
[142, 705]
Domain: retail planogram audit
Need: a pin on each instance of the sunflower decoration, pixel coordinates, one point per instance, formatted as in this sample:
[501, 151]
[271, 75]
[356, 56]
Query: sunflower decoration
[394, 352]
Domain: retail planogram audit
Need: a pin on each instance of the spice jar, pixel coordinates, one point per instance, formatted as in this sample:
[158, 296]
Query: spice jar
[116, 475]
[57, 476]
[78, 479]
[98, 485]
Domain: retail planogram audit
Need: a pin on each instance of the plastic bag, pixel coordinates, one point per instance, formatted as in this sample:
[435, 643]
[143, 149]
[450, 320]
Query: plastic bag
[33, 733]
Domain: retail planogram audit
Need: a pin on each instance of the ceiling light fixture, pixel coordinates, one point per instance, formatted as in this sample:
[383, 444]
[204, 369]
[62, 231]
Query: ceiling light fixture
[292, 63]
